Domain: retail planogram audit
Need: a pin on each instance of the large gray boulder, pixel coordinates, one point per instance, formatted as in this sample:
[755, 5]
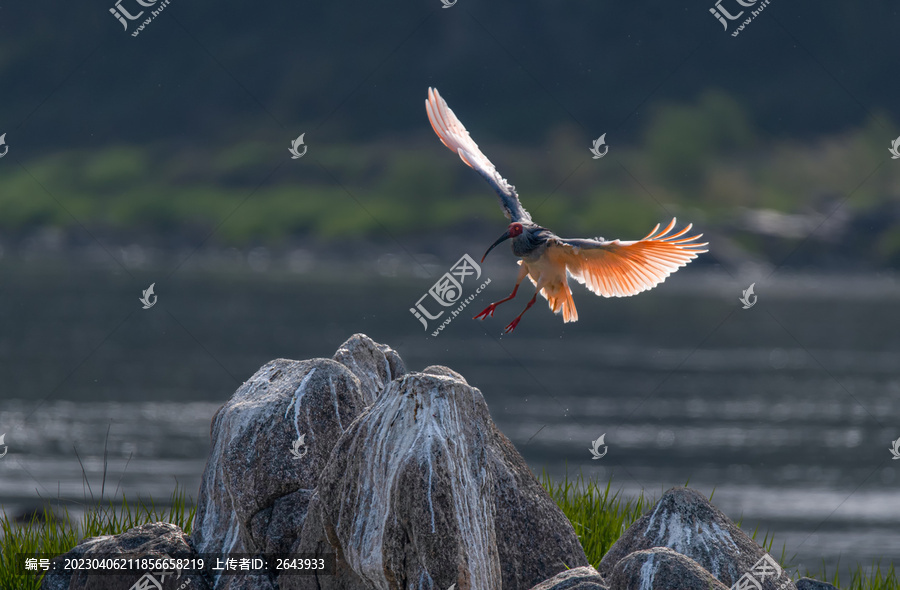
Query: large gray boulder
[375, 365]
[685, 521]
[579, 578]
[661, 568]
[271, 440]
[423, 491]
[155, 540]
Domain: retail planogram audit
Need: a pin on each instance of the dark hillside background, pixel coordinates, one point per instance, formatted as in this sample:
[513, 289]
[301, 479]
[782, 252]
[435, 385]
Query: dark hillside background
[336, 65]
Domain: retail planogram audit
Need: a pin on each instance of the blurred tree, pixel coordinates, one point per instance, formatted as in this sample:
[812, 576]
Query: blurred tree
[684, 140]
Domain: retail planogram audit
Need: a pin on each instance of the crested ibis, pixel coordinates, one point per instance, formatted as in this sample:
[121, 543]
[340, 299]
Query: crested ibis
[611, 268]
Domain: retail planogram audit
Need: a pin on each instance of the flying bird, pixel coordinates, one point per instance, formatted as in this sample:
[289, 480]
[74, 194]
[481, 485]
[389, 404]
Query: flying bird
[611, 268]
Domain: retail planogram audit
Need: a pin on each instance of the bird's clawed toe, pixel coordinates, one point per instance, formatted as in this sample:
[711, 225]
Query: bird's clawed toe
[512, 326]
[488, 312]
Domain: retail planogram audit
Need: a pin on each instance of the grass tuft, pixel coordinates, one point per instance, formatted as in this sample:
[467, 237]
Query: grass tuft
[873, 578]
[57, 532]
[598, 515]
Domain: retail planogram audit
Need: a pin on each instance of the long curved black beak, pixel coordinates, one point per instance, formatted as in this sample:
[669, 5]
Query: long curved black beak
[499, 241]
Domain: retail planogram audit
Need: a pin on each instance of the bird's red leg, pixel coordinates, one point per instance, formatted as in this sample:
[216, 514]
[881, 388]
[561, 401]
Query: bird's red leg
[512, 325]
[489, 310]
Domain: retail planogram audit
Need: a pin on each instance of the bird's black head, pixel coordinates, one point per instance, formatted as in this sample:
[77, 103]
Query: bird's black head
[514, 230]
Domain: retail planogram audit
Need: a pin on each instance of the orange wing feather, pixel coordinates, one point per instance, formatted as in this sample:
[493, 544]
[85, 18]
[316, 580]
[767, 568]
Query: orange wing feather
[621, 269]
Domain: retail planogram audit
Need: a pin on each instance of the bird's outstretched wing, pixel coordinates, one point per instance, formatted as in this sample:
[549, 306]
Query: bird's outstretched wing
[621, 269]
[453, 134]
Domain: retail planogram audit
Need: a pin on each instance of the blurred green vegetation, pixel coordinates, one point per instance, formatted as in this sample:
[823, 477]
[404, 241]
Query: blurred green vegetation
[702, 160]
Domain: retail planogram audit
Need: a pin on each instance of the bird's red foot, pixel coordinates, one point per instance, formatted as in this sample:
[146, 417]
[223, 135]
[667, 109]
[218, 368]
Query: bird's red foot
[488, 312]
[512, 326]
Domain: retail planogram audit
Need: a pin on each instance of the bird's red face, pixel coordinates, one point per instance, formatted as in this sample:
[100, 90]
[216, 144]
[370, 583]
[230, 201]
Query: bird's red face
[514, 229]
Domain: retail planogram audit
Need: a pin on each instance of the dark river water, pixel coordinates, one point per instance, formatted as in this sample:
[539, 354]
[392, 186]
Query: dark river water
[787, 410]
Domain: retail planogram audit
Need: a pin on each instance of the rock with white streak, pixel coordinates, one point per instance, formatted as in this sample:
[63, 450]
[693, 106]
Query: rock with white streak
[315, 541]
[661, 568]
[579, 578]
[423, 491]
[375, 365]
[685, 521]
[270, 441]
[445, 372]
